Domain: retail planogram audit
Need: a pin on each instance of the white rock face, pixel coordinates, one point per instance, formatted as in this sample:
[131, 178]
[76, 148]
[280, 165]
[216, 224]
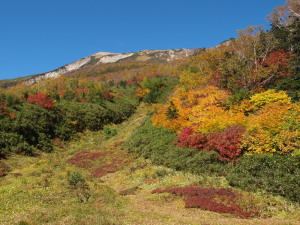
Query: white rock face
[53, 73]
[114, 58]
[101, 54]
[76, 65]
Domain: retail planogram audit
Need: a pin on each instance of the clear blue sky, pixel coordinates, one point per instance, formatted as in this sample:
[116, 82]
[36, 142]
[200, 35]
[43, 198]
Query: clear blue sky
[40, 35]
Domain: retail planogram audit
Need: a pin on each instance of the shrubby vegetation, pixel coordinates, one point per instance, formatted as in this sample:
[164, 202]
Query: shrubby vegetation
[31, 121]
[274, 174]
[231, 111]
[165, 152]
[238, 102]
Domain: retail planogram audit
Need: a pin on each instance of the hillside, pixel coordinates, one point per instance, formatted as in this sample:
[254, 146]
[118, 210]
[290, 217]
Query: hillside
[204, 136]
[105, 58]
[94, 180]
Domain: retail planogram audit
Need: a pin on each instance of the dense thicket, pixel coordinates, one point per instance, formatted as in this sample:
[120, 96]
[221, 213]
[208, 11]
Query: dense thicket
[31, 120]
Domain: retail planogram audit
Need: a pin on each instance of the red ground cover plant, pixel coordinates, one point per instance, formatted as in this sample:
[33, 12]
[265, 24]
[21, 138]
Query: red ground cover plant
[116, 161]
[189, 138]
[220, 200]
[227, 143]
[101, 163]
[84, 159]
[41, 100]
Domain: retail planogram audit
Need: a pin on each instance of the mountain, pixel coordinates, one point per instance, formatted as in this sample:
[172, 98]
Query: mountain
[150, 56]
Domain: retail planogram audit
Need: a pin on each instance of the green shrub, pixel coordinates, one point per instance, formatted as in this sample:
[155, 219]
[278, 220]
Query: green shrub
[14, 143]
[109, 132]
[237, 97]
[79, 116]
[120, 109]
[158, 145]
[31, 128]
[278, 174]
[79, 186]
[160, 88]
[76, 180]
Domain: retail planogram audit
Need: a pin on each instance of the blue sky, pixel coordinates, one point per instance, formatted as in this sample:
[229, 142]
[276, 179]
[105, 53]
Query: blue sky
[41, 35]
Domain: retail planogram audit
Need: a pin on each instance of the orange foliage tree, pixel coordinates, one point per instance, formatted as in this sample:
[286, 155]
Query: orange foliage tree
[200, 110]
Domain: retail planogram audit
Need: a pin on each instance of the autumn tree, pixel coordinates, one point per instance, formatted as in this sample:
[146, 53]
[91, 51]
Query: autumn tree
[202, 70]
[285, 26]
[249, 51]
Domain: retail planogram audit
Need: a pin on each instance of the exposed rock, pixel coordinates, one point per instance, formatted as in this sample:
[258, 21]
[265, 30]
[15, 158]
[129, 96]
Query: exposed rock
[114, 58]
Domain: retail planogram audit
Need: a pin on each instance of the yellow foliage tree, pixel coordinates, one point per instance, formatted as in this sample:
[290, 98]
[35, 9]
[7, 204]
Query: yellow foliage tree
[269, 96]
[273, 129]
[201, 70]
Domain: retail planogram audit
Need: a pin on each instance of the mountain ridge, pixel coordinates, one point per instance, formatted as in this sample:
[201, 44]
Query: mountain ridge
[105, 58]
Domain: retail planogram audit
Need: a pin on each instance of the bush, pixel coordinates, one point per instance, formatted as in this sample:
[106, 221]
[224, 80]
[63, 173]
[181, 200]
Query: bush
[9, 141]
[120, 109]
[270, 96]
[76, 180]
[227, 143]
[158, 145]
[159, 88]
[236, 98]
[80, 116]
[41, 100]
[30, 128]
[276, 174]
[109, 132]
[35, 124]
[191, 139]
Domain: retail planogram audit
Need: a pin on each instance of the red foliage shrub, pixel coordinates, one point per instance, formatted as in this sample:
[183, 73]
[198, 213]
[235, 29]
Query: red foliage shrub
[135, 81]
[278, 61]
[220, 200]
[189, 138]
[226, 143]
[41, 100]
[107, 96]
